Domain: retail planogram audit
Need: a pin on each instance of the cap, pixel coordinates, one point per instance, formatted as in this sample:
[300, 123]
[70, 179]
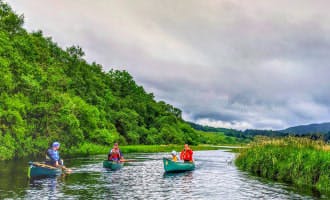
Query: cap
[55, 144]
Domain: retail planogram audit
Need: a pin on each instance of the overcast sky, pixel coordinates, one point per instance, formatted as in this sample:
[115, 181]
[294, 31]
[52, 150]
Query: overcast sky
[229, 63]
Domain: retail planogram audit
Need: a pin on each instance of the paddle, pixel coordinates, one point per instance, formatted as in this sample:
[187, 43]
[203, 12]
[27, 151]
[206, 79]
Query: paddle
[128, 160]
[43, 165]
[67, 170]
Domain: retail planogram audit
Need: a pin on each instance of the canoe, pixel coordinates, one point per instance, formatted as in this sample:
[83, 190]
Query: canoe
[40, 169]
[171, 166]
[113, 165]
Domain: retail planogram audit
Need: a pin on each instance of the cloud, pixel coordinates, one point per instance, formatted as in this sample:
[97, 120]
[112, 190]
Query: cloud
[230, 63]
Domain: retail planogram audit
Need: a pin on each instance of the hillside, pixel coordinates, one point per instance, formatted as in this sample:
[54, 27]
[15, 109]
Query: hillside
[225, 131]
[314, 131]
[47, 94]
[310, 128]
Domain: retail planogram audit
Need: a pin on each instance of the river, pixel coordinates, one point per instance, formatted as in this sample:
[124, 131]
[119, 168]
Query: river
[215, 177]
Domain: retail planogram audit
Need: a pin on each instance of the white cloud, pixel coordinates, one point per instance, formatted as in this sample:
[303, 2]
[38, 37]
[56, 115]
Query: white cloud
[234, 125]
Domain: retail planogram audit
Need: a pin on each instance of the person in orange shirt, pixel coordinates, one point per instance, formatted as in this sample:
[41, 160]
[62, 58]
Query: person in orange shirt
[186, 154]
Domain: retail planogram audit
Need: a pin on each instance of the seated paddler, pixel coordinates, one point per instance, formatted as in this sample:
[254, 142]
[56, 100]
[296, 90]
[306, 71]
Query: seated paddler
[53, 156]
[186, 154]
[115, 153]
[174, 157]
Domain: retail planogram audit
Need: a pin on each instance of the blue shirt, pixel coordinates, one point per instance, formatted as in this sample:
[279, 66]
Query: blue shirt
[53, 154]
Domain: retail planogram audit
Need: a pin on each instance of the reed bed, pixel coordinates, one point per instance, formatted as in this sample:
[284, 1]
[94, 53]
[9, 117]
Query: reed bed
[300, 161]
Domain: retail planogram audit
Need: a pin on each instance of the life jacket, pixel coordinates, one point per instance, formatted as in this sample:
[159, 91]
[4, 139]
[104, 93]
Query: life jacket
[186, 155]
[174, 158]
[114, 154]
[52, 156]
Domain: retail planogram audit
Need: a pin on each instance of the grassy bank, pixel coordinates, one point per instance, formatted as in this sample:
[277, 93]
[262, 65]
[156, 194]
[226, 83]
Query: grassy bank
[94, 149]
[300, 161]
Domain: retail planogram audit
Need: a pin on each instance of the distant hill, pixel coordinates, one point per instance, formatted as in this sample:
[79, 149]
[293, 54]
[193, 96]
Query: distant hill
[314, 131]
[225, 131]
[311, 128]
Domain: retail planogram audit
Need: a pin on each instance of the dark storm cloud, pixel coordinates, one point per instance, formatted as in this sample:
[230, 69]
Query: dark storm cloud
[229, 63]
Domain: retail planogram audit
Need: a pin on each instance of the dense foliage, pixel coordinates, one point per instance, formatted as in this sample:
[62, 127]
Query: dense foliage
[48, 94]
[301, 161]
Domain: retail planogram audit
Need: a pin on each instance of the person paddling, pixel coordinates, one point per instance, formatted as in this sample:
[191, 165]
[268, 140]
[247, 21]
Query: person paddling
[53, 156]
[115, 153]
[186, 154]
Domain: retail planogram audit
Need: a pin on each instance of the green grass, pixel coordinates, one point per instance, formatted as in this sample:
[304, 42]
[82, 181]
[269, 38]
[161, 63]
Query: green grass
[94, 149]
[300, 161]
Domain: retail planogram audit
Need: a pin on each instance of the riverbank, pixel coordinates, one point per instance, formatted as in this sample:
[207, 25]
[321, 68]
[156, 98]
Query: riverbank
[300, 161]
[94, 149]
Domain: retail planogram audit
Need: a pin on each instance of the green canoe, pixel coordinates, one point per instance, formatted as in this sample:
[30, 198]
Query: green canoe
[171, 166]
[113, 165]
[42, 170]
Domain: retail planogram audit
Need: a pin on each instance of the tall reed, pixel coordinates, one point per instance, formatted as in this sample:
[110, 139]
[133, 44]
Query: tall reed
[300, 161]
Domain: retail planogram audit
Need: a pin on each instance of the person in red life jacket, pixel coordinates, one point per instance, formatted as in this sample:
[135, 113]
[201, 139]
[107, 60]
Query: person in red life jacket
[115, 154]
[186, 154]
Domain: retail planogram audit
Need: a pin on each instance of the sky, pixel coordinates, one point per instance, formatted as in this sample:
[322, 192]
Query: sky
[226, 63]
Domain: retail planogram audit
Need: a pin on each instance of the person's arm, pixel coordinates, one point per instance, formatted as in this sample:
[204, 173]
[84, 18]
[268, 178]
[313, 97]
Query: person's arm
[181, 155]
[121, 155]
[110, 155]
[57, 158]
[191, 155]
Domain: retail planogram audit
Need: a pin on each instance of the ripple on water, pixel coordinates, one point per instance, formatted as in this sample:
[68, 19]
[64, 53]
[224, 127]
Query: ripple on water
[215, 177]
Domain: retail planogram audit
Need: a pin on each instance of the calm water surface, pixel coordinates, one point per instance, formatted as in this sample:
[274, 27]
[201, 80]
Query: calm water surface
[214, 178]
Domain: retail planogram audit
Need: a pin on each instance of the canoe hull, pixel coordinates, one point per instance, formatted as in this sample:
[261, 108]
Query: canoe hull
[113, 165]
[37, 171]
[171, 166]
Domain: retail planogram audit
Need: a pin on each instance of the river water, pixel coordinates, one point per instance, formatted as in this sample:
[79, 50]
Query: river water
[215, 177]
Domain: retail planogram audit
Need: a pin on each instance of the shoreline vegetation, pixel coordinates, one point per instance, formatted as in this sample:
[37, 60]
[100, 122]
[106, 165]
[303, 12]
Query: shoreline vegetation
[93, 149]
[302, 162]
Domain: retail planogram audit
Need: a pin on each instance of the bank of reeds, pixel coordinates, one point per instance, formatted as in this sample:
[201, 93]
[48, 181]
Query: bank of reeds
[300, 161]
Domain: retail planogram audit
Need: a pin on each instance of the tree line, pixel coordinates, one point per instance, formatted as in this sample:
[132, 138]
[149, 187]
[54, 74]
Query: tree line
[48, 93]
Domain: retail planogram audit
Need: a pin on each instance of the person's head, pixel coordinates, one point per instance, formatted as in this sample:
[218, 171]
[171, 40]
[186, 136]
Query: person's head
[56, 145]
[115, 146]
[173, 153]
[186, 146]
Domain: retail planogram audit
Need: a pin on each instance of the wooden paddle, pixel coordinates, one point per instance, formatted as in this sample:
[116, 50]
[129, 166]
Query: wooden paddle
[43, 165]
[67, 170]
[124, 160]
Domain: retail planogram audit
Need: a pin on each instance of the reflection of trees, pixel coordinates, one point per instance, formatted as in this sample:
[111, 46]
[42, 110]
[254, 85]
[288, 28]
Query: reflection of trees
[43, 187]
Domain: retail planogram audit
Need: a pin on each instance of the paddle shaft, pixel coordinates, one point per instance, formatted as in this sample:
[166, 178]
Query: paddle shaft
[51, 167]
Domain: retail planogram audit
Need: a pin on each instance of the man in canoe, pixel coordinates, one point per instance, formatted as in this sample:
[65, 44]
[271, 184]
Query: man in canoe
[53, 156]
[186, 154]
[115, 153]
